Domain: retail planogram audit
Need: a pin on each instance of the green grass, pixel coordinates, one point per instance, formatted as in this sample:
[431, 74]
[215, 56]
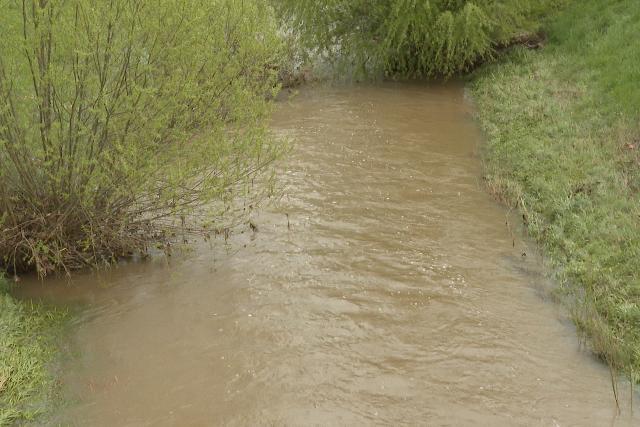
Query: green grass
[27, 350]
[563, 141]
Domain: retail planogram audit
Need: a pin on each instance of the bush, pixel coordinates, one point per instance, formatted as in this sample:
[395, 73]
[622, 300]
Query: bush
[122, 120]
[414, 38]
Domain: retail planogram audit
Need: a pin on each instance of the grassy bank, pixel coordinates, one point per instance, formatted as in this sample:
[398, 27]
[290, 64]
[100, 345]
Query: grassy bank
[27, 349]
[563, 146]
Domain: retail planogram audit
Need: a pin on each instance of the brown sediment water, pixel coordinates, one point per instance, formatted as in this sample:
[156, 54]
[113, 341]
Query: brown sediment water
[385, 288]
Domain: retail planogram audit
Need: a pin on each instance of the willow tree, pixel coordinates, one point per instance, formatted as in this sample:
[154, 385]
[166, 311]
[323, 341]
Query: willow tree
[414, 38]
[124, 120]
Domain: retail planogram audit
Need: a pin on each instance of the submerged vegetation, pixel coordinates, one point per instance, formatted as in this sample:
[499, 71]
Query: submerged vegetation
[122, 121]
[563, 145]
[410, 38]
[26, 350]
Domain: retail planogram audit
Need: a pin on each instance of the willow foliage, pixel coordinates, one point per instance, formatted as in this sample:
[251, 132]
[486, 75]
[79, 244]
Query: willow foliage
[415, 38]
[122, 119]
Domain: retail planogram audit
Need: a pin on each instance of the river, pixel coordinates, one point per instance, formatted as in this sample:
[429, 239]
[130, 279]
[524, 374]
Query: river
[386, 287]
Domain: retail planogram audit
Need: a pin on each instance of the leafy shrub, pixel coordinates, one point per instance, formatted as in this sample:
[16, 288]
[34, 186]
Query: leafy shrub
[121, 120]
[415, 38]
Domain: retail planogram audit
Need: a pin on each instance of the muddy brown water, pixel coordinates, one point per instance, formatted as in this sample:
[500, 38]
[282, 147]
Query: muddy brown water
[393, 293]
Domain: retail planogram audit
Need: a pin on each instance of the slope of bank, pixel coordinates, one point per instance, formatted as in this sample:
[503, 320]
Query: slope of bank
[27, 350]
[563, 146]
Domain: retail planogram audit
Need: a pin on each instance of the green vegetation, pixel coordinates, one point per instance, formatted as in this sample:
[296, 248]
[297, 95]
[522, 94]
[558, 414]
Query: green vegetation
[125, 122]
[411, 38]
[27, 386]
[563, 145]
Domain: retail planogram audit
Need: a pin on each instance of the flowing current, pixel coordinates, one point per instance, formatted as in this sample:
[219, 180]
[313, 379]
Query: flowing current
[385, 288]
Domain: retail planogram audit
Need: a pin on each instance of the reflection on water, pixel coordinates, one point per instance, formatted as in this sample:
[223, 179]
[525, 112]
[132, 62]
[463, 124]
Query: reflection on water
[396, 296]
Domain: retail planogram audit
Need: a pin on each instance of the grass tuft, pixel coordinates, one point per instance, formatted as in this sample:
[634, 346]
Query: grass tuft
[27, 349]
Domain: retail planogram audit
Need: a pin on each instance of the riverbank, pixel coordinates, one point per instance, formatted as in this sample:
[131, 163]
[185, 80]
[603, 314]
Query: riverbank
[563, 144]
[27, 349]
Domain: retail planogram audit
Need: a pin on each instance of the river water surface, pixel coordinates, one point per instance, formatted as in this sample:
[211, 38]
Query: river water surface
[385, 288]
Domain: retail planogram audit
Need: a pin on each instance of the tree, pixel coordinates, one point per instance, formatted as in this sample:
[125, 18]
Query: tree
[411, 38]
